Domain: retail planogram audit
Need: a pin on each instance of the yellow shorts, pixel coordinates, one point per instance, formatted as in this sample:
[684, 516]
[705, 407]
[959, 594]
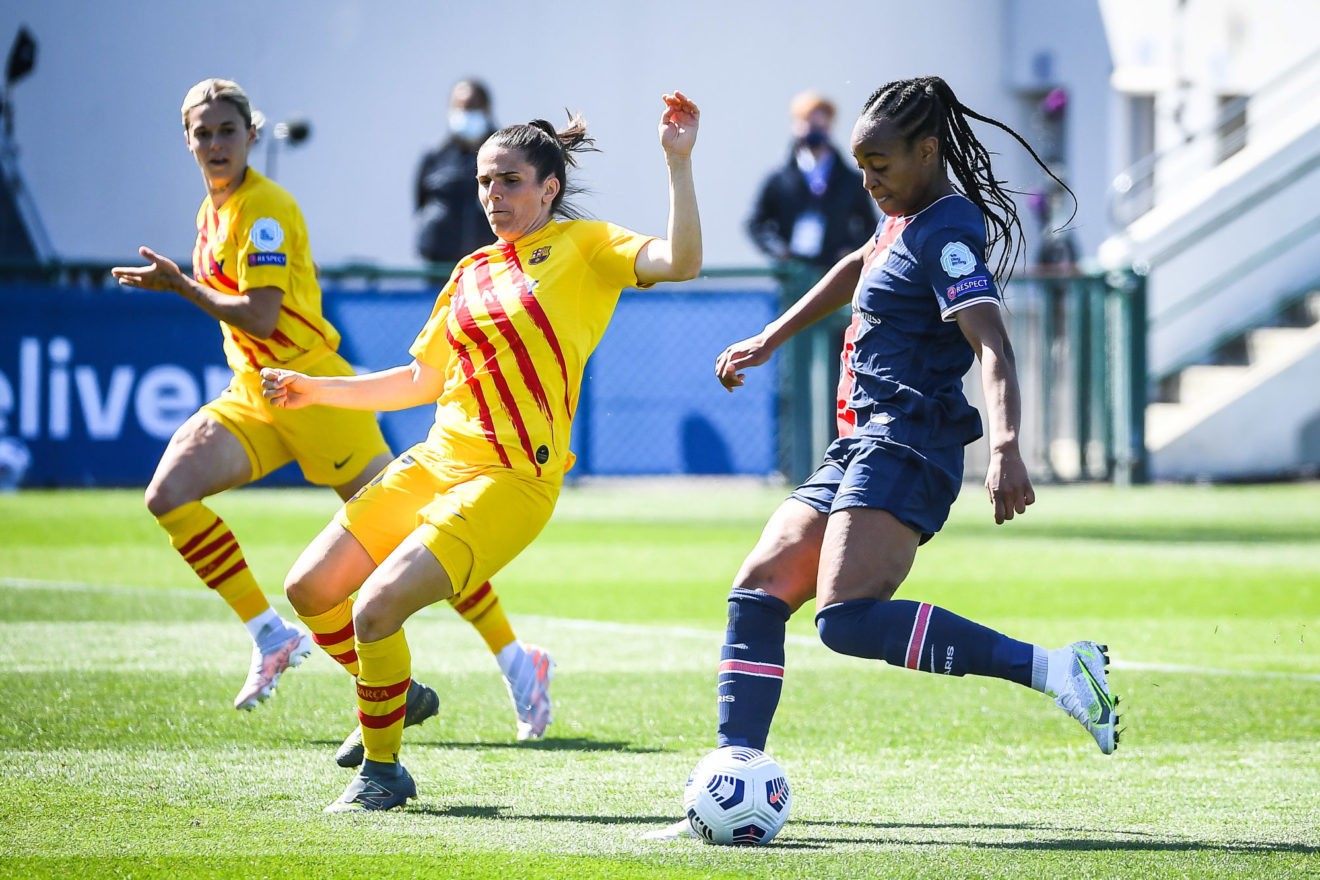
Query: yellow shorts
[331, 445]
[475, 520]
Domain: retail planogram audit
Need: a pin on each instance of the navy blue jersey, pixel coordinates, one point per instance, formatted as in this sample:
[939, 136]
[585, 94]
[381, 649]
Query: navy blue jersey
[904, 356]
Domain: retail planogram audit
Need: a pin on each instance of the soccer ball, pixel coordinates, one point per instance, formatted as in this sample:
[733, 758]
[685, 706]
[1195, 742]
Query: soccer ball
[736, 795]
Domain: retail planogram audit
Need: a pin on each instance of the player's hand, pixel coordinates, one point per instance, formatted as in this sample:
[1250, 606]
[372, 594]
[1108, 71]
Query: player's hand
[286, 389]
[1008, 485]
[751, 352]
[678, 124]
[162, 273]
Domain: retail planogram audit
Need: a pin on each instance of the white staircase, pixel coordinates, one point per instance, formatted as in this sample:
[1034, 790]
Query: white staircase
[1258, 419]
[1226, 245]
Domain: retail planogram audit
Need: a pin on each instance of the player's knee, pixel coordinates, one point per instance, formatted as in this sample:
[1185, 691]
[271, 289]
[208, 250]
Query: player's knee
[841, 628]
[160, 500]
[372, 621]
[300, 590]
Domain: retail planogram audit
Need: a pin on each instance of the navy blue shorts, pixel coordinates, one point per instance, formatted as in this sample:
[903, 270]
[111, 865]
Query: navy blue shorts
[917, 487]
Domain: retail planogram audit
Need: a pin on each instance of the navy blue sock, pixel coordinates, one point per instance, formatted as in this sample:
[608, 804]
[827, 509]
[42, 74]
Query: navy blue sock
[920, 636]
[751, 667]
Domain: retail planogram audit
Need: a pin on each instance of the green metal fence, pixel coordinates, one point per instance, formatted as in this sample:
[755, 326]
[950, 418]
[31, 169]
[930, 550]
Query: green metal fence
[1080, 343]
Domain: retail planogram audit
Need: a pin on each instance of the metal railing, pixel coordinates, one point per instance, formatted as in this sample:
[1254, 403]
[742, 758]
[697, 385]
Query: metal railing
[1258, 117]
[1080, 345]
[1080, 341]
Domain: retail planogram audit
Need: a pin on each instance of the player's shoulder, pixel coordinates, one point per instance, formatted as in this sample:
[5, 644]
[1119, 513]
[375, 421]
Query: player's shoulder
[952, 217]
[581, 227]
[588, 235]
[955, 209]
[261, 194]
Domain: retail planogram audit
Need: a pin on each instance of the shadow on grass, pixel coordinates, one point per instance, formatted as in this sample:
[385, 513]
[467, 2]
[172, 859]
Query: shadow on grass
[553, 744]
[1143, 533]
[1089, 843]
[1127, 841]
[505, 814]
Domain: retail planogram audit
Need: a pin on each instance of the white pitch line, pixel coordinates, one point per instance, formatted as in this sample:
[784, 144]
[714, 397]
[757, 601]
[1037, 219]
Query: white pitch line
[9, 583]
[663, 631]
[1178, 669]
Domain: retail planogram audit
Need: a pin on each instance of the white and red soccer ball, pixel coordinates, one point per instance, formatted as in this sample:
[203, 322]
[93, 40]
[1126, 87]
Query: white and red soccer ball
[738, 796]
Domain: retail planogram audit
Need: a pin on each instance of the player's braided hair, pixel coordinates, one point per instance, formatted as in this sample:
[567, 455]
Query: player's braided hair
[925, 107]
[550, 152]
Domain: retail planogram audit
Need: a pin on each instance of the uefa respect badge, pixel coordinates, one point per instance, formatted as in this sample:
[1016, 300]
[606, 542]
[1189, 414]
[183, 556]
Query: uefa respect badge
[266, 234]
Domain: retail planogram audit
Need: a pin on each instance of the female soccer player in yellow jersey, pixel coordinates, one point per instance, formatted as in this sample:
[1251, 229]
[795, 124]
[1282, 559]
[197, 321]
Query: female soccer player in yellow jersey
[502, 357]
[253, 271]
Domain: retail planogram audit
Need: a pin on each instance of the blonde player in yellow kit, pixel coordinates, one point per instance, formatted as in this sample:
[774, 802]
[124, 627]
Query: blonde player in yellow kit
[502, 358]
[253, 271]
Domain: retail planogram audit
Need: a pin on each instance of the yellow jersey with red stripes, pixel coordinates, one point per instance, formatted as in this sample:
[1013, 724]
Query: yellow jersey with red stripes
[257, 238]
[512, 330]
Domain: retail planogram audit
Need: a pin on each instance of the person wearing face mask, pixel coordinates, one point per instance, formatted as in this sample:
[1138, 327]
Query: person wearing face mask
[812, 209]
[450, 224]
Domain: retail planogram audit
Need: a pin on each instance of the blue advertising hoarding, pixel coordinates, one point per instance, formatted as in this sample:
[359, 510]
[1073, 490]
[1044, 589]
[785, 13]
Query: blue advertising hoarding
[93, 382]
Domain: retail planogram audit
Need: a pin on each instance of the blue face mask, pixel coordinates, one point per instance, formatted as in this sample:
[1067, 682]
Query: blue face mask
[469, 125]
[815, 137]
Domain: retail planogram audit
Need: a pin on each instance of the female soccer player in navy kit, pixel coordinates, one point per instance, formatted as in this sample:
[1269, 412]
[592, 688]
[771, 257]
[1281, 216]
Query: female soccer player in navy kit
[924, 303]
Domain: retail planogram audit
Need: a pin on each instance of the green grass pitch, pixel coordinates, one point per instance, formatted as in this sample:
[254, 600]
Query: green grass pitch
[122, 757]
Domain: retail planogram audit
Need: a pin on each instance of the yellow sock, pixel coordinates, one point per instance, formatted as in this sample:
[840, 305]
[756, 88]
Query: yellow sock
[333, 631]
[481, 608]
[382, 695]
[207, 544]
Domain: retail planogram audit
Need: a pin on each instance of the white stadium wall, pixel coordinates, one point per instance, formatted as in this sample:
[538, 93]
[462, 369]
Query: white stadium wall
[101, 146]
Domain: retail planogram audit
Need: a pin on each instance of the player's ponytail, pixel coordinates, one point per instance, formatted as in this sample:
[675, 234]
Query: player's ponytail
[550, 152]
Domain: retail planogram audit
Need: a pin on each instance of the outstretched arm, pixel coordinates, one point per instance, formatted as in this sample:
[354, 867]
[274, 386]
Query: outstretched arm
[1006, 480]
[678, 256]
[830, 293]
[382, 391]
[255, 311]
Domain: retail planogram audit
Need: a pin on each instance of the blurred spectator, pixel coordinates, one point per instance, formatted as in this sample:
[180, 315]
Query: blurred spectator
[1057, 253]
[450, 220]
[814, 208]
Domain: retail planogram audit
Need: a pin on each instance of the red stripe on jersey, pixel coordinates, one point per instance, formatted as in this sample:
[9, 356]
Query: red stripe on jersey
[483, 408]
[379, 722]
[482, 592]
[201, 248]
[744, 667]
[308, 324]
[468, 324]
[845, 419]
[199, 245]
[247, 352]
[538, 316]
[218, 273]
[257, 344]
[516, 345]
[335, 637]
[197, 539]
[918, 637]
[382, 694]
